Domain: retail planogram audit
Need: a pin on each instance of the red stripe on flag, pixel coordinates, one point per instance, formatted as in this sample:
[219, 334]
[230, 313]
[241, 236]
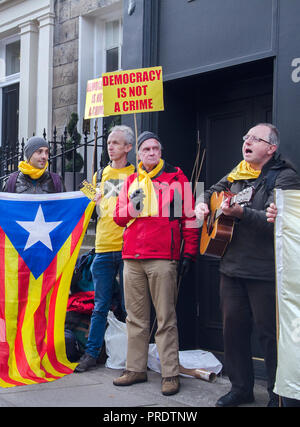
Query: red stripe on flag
[40, 319]
[4, 347]
[51, 342]
[77, 233]
[22, 363]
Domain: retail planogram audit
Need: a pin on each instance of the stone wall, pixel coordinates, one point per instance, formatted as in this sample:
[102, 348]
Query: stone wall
[65, 56]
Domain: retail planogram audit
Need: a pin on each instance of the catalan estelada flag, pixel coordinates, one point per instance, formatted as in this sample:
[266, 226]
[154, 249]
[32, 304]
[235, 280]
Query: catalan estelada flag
[287, 251]
[40, 238]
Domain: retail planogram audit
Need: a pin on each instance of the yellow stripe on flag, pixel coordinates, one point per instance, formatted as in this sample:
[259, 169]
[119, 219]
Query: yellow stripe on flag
[45, 361]
[11, 309]
[63, 292]
[28, 336]
[5, 384]
[61, 302]
[26, 306]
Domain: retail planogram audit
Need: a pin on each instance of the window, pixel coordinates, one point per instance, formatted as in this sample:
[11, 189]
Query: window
[112, 45]
[9, 89]
[112, 60]
[102, 32]
[12, 58]
[10, 55]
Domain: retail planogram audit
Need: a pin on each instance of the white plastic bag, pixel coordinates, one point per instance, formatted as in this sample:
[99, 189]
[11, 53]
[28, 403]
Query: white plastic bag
[153, 358]
[116, 342]
[191, 359]
[200, 359]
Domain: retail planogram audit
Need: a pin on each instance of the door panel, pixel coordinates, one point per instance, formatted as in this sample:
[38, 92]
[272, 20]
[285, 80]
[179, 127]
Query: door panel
[219, 107]
[223, 125]
[10, 115]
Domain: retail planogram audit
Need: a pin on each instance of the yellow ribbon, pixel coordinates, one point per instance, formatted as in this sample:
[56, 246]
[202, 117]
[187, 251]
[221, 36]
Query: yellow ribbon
[243, 171]
[145, 183]
[33, 172]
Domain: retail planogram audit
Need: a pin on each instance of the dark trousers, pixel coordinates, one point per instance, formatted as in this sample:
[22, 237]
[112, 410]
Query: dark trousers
[290, 403]
[244, 301]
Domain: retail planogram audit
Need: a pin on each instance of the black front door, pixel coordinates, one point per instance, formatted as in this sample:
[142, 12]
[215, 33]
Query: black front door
[219, 106]
[234, 106]
[10, 115]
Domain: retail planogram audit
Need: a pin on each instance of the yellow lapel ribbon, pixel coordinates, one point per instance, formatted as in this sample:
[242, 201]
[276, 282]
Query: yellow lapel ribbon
[243, 171]
[145, 183]
[33, 172]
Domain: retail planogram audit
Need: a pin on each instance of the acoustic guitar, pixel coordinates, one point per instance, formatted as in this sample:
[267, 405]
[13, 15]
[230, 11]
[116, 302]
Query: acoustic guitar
[217, 228]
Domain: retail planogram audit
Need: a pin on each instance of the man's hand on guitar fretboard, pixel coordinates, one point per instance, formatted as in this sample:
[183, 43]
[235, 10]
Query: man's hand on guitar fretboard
[234, 210]
[217, 228]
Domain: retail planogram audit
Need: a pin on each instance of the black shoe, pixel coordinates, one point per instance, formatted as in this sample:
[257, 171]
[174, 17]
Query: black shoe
[234, 398]
[86, 362]
[274, 401]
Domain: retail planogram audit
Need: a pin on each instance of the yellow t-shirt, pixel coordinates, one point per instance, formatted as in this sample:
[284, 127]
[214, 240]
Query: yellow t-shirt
[109, 236]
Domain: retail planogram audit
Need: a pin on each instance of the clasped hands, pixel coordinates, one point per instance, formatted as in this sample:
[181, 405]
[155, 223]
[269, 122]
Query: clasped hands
[136, 199]
[271, 212]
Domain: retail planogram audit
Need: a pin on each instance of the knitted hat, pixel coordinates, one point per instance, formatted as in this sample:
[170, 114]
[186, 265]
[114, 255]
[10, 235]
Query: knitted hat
[147, 135]
[33, 144]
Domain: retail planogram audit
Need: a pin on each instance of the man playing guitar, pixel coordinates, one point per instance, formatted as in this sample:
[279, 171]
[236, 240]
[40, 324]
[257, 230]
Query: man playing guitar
[247, 267]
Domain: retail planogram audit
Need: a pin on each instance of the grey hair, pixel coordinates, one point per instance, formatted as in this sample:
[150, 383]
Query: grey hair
[274, 133]
[127, 131]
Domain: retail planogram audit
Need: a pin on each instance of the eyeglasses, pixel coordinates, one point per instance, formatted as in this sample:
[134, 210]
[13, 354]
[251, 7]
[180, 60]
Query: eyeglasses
[255, 139]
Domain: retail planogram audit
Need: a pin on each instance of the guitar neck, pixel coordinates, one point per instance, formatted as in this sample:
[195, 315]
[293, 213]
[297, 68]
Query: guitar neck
[219, 212]
[241, 198]
[232, 201]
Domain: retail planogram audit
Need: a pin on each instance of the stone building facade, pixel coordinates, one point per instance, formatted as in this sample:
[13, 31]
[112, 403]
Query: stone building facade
[49, 49]
[78, 53]
[26, 68]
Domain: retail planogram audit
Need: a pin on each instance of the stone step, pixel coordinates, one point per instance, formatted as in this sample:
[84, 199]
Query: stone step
[89, 240]
[83, 249]
[91, 228]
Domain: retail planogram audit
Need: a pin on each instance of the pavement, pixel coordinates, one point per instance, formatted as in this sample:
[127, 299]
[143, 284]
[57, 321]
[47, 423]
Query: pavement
[94, 389]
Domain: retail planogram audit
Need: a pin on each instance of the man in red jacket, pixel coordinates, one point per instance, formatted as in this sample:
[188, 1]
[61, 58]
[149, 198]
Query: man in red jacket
[156, 205]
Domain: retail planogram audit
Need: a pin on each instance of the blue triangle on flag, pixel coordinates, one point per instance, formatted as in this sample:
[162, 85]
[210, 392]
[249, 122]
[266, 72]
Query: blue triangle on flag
[38, 229]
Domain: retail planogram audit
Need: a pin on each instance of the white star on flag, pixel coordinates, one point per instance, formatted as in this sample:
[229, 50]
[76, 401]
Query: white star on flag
[39, 230]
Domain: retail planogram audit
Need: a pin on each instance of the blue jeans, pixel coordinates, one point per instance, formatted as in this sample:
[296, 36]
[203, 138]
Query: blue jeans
[104, 270]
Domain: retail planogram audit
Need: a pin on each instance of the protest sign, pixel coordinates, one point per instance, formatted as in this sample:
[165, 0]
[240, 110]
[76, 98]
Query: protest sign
[133, 91]
[94, 99]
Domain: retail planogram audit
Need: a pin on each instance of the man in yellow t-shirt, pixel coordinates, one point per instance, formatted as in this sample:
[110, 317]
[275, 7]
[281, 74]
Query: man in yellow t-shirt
[109, 240]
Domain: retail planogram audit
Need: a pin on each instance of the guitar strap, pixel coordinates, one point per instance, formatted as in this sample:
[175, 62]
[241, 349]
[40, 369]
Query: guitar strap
[270, 179]
[257, 182]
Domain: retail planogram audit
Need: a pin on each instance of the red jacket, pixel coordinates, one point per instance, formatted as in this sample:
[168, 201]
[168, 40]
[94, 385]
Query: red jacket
[160, 236]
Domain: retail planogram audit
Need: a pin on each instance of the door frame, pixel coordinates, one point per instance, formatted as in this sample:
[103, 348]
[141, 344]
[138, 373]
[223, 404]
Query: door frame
[3, 120]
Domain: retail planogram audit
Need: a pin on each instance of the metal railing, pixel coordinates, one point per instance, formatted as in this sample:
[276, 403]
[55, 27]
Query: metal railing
[67, 156]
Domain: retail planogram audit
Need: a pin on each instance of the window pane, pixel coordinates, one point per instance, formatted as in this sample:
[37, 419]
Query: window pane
[112, 34]
[112, 59]
[12, 58]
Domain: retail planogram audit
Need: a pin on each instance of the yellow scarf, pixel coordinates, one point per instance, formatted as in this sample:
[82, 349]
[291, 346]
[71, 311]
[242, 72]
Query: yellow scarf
[243, 171]
[33, 172]
[145, 183]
